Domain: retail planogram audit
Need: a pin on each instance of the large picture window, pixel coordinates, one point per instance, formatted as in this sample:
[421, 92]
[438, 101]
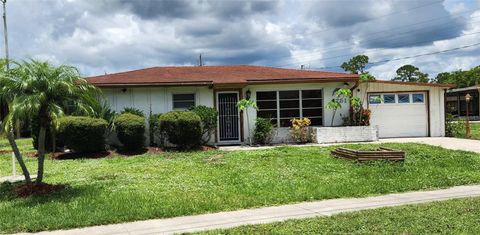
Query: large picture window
[183, 101]
[282, 106]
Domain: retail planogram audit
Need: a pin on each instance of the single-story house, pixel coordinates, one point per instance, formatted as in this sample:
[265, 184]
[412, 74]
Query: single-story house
[457, 104]
[405, 109]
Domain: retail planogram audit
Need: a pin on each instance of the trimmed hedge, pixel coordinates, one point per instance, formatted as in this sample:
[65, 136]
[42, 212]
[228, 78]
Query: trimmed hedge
[130, 130]
[35, 129]
[182, 128]
[83, 134]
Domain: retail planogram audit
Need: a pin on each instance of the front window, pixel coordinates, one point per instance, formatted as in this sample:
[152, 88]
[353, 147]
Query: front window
[183, 101]
[282, 106]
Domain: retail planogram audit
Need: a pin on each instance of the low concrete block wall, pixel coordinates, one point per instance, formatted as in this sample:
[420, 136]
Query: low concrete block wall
[341, 134]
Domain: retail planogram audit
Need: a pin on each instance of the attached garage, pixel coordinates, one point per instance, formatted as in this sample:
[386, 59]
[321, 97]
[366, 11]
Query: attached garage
[402, 114]
[405, 109]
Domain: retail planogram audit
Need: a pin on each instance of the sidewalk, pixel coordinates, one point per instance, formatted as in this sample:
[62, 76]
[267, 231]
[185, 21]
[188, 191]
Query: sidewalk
[273, 214]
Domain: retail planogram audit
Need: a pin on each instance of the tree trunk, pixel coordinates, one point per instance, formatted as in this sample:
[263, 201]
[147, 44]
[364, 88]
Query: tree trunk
[41, 152]
[333, 116]
[54, 139]
[18, 155]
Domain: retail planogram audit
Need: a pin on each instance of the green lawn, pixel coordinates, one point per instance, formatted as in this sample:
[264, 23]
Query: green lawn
[25, 145]
[112, 190]
[459, 216]
[475, 131]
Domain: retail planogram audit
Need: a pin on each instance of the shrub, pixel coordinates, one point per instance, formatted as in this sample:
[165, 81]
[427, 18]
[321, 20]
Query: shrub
[263, 132]
[83, 134]
[134, 111]
[299, 130]
[153, 127]
[130, 130]
[209, 121]
[454, 127]
[51, 137]
[182, 128]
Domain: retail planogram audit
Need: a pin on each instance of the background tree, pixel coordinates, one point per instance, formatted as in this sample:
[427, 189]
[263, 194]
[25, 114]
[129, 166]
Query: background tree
[461, 78]
[356, 64]
[40, 89]
[410, 73]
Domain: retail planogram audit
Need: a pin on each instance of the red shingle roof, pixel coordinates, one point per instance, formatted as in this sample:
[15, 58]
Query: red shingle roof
[228, 74]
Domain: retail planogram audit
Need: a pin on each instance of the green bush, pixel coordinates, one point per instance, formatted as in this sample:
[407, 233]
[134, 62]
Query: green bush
[134, 111]
[209, 121]
[130, 130]
[454, 127]
[49, 137]
[182, 128]
[83, 134]
[263, 132]
[154, 128]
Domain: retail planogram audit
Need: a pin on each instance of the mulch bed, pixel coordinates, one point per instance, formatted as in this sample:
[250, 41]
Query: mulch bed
[72, 155]
[36, 189]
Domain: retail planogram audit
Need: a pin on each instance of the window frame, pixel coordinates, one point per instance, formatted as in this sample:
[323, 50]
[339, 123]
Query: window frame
[184, 93]
[376, 102]
[300, 106]
[409, 98]
[389, 94]
[423, 98]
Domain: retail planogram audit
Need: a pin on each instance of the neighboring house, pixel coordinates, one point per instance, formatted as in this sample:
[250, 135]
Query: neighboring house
[406, 109]
[457, 105]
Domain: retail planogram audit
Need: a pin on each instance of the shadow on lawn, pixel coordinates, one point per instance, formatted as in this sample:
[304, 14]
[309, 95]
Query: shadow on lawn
[64, 194]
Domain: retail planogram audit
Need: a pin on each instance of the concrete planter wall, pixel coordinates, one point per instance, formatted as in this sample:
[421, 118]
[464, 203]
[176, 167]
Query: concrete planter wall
[343, 134]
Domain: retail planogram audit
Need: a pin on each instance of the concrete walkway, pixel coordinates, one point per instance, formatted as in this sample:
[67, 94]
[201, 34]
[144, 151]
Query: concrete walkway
[445, 142]
[274, 214]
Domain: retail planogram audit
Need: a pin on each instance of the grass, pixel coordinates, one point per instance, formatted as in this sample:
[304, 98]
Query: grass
[459, 216]
[119, 189]
[25, 145]
[475, 130]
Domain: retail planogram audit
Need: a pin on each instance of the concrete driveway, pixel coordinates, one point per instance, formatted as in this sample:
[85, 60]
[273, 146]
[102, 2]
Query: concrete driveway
[444, 142]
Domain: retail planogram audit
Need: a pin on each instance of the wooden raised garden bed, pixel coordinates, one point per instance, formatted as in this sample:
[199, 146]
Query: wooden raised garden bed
[381, 153]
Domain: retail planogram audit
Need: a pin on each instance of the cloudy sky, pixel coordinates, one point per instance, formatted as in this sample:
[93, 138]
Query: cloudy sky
[106, 36]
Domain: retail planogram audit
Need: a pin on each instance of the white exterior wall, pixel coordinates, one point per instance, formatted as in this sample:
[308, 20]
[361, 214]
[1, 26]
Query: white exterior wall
[436, 101]
[158, 99]
[282, 134]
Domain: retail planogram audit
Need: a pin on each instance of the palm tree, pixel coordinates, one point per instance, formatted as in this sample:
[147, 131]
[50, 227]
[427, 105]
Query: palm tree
[38, 89]
[8, 127]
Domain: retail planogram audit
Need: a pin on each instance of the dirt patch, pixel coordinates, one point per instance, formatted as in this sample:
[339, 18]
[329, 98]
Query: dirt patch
[215, 159]
[36, 189]
[207, 148]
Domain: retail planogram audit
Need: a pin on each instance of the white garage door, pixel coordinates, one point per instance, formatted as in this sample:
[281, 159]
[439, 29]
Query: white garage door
[399, 114]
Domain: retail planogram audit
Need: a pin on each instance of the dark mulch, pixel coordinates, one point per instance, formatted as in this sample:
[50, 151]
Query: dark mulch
[5, 151]
[36, 189]
[73, 155]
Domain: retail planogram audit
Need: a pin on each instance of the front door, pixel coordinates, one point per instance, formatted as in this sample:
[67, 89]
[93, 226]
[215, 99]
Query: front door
[228, 117]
